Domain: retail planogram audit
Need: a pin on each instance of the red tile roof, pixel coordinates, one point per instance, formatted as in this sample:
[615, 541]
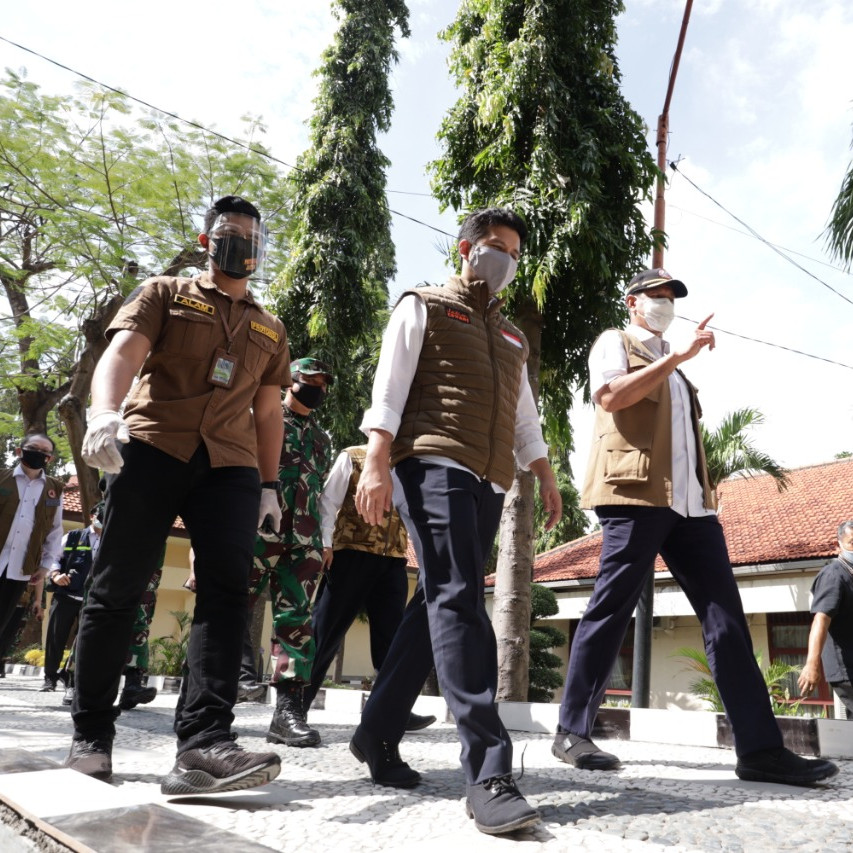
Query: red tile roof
[762, 525]
[72, 507]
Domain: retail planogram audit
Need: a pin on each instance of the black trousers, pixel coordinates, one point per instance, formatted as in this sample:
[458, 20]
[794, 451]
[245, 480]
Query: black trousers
[844, 689]
[219, 507]
[695, 551]
[452, 518]
[356, 581]
[10, 594]
[64, 611]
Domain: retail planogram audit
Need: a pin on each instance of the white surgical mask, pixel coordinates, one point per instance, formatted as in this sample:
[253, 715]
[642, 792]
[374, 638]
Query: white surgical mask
[847, 556]
[657, 312]
[493, 266]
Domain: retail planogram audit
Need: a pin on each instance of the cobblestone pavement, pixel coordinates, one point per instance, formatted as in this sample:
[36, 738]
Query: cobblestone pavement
[679, 798]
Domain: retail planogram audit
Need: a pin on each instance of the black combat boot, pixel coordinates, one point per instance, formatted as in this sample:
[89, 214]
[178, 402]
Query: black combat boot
[288, 724]
[134, 692]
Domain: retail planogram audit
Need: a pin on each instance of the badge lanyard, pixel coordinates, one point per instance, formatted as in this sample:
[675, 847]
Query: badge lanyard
[224, 365]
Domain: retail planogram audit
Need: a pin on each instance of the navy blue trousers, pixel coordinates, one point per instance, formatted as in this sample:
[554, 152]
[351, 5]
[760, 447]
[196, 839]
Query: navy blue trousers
[452, 518]
[356, 581]
[695, 551]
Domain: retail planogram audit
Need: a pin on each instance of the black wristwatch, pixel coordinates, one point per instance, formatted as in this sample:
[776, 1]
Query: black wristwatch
[272, 484]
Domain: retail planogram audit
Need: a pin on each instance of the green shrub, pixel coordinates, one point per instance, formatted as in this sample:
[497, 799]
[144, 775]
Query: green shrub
[169, 653]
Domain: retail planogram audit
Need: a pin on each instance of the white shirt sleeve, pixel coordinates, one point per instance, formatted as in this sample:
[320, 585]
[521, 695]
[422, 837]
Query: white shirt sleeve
[332, 498]
[398, 361]
[529, 444]
[51, 551]
[607, 360]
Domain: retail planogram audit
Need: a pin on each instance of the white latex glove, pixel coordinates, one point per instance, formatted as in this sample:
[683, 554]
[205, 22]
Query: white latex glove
[100, 444]
[270, 506]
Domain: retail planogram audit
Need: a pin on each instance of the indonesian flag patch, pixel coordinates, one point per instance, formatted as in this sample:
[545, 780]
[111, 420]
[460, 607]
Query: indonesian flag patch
[513, 339]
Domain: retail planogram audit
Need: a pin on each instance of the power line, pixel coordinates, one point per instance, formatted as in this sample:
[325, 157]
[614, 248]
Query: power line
[749, 234]
[275, 159]
[674, 167]
[769, 344]
[204, 129]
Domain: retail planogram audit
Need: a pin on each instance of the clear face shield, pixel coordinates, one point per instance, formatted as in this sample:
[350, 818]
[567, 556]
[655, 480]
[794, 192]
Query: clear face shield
[238, 245]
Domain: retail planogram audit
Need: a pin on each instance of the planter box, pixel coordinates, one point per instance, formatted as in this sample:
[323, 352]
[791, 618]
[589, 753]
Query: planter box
[799, 734]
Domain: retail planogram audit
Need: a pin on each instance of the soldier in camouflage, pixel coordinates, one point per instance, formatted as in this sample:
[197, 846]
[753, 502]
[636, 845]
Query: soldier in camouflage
[291, 561]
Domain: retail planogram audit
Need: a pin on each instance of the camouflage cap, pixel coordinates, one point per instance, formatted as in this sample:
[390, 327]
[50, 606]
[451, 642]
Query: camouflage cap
[312, 367]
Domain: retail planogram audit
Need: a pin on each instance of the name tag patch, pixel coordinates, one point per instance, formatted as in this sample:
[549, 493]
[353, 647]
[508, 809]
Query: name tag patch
[455, 314]
[272, 334]
[180, 299]
[513, 339]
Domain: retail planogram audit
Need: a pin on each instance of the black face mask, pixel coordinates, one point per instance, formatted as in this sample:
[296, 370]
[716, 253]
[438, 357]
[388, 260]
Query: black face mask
[309, 395]
[35, 459]
[235, 256]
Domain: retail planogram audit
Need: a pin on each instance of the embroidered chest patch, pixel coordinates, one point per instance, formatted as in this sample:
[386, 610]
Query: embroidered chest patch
[272, 334]
[180, 299]
[456, 314]
[513, 339]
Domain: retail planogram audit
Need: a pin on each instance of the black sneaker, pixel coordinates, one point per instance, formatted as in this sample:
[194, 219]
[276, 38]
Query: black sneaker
[224, 766]
[498, 807]
[133, 695]
[91, 756]
[49, 685]
[783, 767]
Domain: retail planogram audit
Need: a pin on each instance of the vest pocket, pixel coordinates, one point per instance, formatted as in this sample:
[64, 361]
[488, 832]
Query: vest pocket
[625, 466]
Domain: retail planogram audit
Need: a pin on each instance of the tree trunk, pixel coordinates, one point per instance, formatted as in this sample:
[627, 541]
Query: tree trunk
[72, 407]
[511, 613]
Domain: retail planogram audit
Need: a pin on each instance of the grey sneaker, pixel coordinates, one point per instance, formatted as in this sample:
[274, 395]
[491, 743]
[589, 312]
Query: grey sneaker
[223, 766]
[91, 756]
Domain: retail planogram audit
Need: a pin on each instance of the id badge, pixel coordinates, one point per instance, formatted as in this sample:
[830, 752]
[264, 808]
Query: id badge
[223, 369]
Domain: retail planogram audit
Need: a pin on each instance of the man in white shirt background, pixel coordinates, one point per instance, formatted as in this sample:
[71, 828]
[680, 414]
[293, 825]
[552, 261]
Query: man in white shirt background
[30, 522]
[648, 482]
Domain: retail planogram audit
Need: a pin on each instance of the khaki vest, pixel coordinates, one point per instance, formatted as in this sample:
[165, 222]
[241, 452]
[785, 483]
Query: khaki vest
[351, 531]
[463, 400]
[630, 460]
[45, 511]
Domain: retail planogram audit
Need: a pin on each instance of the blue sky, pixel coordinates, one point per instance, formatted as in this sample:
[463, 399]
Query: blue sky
[761, 120]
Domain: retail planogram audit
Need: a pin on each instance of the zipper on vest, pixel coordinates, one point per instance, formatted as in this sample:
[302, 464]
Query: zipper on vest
[494, 394]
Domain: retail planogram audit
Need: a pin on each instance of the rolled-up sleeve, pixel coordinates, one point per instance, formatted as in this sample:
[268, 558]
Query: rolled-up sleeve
[607, 360]
[398, 361]
[529, 444]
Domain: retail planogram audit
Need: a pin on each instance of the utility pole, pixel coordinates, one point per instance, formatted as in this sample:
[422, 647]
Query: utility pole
[644, 615]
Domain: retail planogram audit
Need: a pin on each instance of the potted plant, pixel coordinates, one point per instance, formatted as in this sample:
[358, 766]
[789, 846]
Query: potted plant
[169, 653]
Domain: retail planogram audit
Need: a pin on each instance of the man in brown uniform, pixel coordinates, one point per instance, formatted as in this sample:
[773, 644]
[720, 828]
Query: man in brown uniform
[203, 420]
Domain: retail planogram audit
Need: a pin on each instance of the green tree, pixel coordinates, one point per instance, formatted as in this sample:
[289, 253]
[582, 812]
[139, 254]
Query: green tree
[92, 199]
[333, 292]
[730, 452]
[839, 232]
[777, 677]
[546, 674]
[542, 127]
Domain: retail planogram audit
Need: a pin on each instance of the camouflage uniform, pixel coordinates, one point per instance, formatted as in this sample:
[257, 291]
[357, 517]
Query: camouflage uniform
[292, 565]
[139, 651]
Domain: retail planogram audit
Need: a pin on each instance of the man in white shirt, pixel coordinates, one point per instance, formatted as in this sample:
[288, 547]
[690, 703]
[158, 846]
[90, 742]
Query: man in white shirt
[30, 522]
[453, 411]
[648, 483]
[365, 571]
